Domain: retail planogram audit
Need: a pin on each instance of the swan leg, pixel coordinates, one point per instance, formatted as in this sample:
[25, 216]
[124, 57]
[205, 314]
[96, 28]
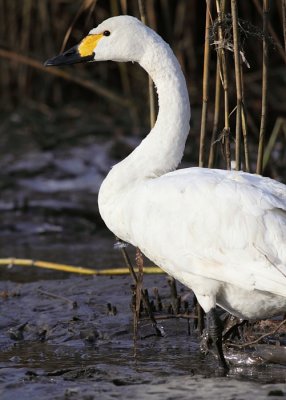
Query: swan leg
[199, 322]
[214, 329]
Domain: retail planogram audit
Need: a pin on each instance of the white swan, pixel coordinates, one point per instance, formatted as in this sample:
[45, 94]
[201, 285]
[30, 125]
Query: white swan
[222, 233]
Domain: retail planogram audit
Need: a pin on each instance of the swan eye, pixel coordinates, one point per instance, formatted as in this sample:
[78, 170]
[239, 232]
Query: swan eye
[106, 33]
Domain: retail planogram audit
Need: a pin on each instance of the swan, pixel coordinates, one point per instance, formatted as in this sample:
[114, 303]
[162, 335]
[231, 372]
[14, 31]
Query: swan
[221, 233]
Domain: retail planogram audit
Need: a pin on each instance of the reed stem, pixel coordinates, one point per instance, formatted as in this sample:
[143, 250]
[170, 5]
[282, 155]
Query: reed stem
[83, 7]
[206, 78]
[244, 121]
[245, 138]
[152, 111]
[271, 31]
[259, 166]
[237, 65]
[284, 22]
[279, 126]
[124, 77]
[213, 145]
[224, 77]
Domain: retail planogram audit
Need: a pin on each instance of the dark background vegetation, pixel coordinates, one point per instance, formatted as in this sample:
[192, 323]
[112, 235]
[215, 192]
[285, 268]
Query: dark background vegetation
[44, 115]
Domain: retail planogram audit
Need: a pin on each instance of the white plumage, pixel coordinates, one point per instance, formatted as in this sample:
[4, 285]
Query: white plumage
[222, 233]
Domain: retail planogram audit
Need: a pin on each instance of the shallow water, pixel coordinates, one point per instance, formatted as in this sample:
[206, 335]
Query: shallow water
[58, 341]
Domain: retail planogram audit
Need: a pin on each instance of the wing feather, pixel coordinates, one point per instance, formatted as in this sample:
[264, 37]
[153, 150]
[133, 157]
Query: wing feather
[228, 226]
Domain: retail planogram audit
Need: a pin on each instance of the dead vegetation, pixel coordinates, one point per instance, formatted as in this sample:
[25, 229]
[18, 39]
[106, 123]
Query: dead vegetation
[236, 37]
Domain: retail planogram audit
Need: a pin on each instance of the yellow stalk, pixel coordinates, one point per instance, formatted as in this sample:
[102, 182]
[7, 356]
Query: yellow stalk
[69, 268]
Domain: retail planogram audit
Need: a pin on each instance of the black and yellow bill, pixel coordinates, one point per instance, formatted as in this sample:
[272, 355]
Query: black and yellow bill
[84, 51]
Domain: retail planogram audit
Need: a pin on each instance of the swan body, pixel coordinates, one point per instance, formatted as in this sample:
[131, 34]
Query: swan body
[222, 233]
[227, 247]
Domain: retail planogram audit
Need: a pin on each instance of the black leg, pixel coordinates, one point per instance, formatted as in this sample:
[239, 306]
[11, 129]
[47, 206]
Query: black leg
[199, 322]
[214, 328]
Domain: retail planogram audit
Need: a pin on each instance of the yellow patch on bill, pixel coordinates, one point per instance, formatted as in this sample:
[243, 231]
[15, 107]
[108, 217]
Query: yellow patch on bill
[88, 44]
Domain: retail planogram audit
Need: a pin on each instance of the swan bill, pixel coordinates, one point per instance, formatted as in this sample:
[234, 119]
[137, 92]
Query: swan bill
[82, 52]
[71, 56]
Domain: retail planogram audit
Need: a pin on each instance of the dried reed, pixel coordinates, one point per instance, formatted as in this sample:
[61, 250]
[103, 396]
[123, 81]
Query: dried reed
[206, 78]
[39, 35]
[238, 73]
[279, 126]
[271, 30]
[124, 76]
[142, 11]
[284, 21]
[86, 5]
[245, 138]
[213, 145]
[224, 77]
[259, 166]
[138, 286]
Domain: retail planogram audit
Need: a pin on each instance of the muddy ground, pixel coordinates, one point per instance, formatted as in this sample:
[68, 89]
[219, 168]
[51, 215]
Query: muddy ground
[71, 337]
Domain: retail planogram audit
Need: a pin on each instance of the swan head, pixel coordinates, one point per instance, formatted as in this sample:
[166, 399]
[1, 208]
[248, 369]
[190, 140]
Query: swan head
[121, 38]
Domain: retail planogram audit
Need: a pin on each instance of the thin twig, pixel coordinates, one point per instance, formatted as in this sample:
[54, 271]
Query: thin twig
[175, 316]
[260, 337]
[237, 64]
[57, 296]
[259, 166]
[129, 264]
[138, 291]
[206, 76]
[145, 300]
[175, 300]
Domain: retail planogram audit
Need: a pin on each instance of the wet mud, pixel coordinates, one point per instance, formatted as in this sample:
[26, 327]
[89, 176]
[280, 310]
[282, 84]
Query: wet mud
[71, 337]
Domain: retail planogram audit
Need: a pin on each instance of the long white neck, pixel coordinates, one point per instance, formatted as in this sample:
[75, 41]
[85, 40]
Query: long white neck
[162, 150]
